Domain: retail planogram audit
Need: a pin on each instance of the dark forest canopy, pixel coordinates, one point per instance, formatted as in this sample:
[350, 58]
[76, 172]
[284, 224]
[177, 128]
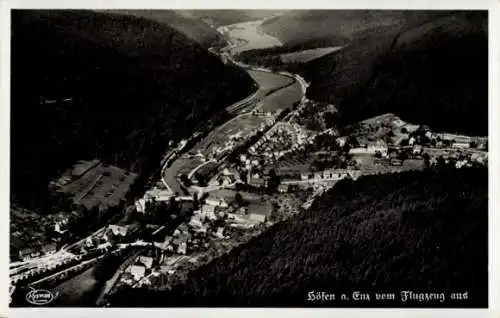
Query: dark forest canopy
[194, 27]
[87, 84]
[418, 231]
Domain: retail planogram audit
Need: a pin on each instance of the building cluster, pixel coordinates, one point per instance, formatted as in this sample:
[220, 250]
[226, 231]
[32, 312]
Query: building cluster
[236, 139]
[139, 272]
[283, 138]
[27, 254]
[331, 174]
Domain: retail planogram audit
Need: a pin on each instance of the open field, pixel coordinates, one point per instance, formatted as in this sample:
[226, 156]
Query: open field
[72, 291]
[283, 98]
[99, 186]
[258, 204]
[269, 81]
[179, 166]
[241, 127]
[368, 165]
[308, 55]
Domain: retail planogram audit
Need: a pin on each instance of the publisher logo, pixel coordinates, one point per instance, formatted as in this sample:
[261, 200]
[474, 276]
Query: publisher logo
[39, 297]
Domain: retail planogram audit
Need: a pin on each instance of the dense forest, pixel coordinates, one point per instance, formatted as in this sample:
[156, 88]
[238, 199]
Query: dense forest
[428, 67]
[89, 84]
[417, 231]
[435, 74]
[183, 21]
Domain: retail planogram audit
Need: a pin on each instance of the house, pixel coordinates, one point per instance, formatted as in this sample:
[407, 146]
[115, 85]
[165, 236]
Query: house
[283, 188]
[49, 248]
[379, 146]
[60, 227]
[411, 128]
[220, 232]
[358, 151]
[318, 175]
[147, 261]
[28, 253]
[481, 158]
[140, 205]
[397, 123]
[118, 230]
[304, 176]
[460, 145]
[355, 174]
[411, 141]
[182, 248]
[396, 162]
[460, 163]
[417, 149]
[194, 222]
[217, 202]
[137, 271]
[208, 211]
[257, 217]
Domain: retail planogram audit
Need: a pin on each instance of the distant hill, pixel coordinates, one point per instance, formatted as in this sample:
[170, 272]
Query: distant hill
[339, 27]
[425, 232]
[226, 17]
[433, 73]
[116, 87]
[188, 24]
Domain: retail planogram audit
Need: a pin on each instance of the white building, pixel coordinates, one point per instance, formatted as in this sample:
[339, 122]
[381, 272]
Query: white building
[147, 261]
[217, 202]
[137, 271]
[257, 217]
[182, 249]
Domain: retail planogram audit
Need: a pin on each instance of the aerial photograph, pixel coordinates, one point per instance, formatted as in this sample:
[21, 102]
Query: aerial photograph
[249, 158]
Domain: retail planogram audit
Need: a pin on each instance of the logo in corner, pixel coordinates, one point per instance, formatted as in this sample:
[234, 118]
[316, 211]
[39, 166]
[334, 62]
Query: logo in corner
[40, 297]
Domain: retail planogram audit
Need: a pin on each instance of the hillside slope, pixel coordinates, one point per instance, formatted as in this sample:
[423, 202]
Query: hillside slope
[226, 17]
[415, 231]
[339, 27]
[435, 73]
[87, 84]
[190, 25]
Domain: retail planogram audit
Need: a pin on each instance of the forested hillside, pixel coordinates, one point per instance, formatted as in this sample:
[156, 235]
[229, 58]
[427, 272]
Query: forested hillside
[116, 87]
[416, 231]
[340, 27]
[435, 73]
[182, 21]
[428, 67]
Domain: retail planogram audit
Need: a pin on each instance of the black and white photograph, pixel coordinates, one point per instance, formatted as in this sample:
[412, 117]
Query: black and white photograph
[280, 158]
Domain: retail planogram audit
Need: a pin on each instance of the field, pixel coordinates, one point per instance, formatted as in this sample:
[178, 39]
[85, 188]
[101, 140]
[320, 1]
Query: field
[100, 186]
[241, 126]
[269, 81]
[283, 98]
[182, 165]
[258, 204]
[72, 291]
[368, 165]
[308, 55]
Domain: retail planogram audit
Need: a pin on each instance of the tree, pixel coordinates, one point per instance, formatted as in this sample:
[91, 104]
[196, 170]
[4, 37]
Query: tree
[238, 198]
[185, 180]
